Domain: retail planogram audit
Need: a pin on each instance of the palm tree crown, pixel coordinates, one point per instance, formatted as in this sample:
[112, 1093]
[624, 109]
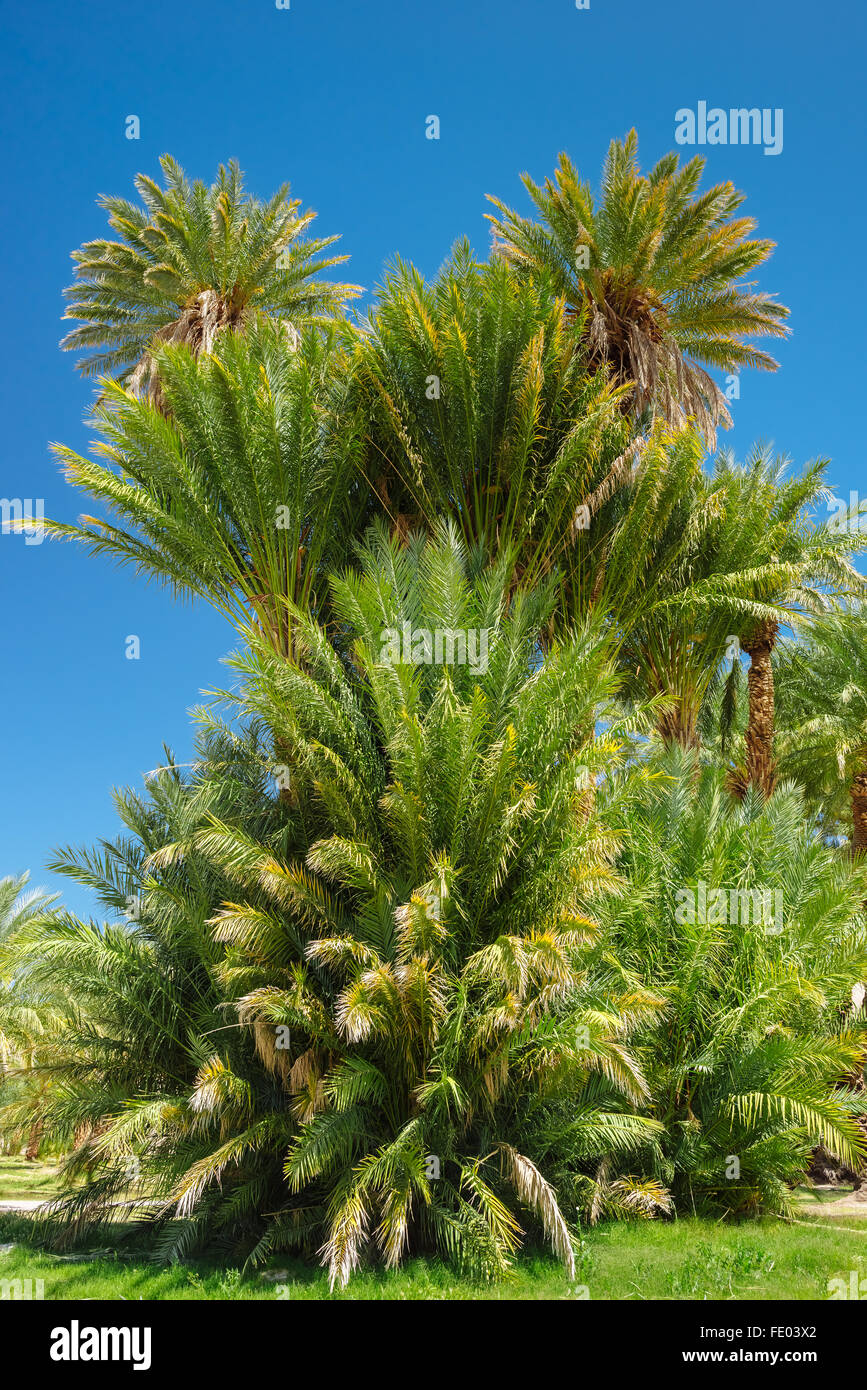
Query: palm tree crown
[193, 260]
[653, 273]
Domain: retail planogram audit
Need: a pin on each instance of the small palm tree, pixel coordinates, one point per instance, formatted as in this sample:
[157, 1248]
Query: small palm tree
[753, 931]
[193, 261]
[653, 275]
[823, 685]
[129, 1006]
[690, 567]
[23, 1015]
[800, 567]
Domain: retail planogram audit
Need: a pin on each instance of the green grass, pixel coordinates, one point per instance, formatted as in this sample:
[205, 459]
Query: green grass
[811, 1199]
[688, 1259]
[27, 1181]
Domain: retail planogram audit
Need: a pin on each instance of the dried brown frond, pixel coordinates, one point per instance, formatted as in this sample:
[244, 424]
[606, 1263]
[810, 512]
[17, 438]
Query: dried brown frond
[538, 1194]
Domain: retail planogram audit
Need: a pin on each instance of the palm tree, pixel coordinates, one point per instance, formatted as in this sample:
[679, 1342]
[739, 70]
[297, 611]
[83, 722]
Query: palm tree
[244, 491]
[653, 276]
[444, 975]
[753, 931]
[261, 462]
[22, 1016]
[479, 408]
[135, 1002]
[389, 981]
[193, 261]
[687, 565]
[800, 568]
[651, 563]
[823, 683]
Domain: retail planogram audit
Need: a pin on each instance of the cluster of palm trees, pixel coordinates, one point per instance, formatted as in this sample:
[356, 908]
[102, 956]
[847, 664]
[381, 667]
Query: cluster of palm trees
[399, 963]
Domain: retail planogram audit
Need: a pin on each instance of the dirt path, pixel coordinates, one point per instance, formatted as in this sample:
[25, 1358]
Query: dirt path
[847, 1203]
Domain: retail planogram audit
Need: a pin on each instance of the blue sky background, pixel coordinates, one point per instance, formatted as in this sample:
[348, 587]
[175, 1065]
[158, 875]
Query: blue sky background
[333, 95]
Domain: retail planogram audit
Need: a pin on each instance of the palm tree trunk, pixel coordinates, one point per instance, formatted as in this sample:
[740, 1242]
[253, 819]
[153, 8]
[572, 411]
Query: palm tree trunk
[32, 1150]
[858, 796]
[676, 724]
[761, 770]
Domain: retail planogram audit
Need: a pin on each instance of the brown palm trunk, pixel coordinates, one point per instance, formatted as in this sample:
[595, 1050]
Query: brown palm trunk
[858, 795]
[32, 1151]
[678, 725]
[761, 769]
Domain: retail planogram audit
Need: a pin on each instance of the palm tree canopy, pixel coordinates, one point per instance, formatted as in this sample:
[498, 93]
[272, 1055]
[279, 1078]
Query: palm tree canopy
[822, 685]
[654, 272]
[752, 929]
[18, 903]
[22, 1012]
[194, 259]
[481, 409]
[684, 561]
[240, 493]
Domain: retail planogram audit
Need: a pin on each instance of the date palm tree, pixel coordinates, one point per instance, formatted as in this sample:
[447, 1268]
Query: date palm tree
[444, 919]
[377, 1008]
[260, 463]
[802, 566]
[136, 1002]
[190, 262]
[692, 567]
[654, 277]
[23, 1016]
[753, 930]
[823, 684]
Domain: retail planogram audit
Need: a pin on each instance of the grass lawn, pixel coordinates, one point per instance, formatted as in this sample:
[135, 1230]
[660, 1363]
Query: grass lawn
[686, 1259]
[20, 1180]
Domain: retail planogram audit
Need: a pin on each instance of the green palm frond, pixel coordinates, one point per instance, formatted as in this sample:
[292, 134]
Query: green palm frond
[192, 261]
[654, 275]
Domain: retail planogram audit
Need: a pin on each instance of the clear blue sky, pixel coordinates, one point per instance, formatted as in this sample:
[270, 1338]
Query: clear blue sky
[333, 95]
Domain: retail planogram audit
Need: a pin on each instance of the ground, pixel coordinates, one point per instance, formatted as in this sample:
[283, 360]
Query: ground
[684, 1259]
[21, 1181]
